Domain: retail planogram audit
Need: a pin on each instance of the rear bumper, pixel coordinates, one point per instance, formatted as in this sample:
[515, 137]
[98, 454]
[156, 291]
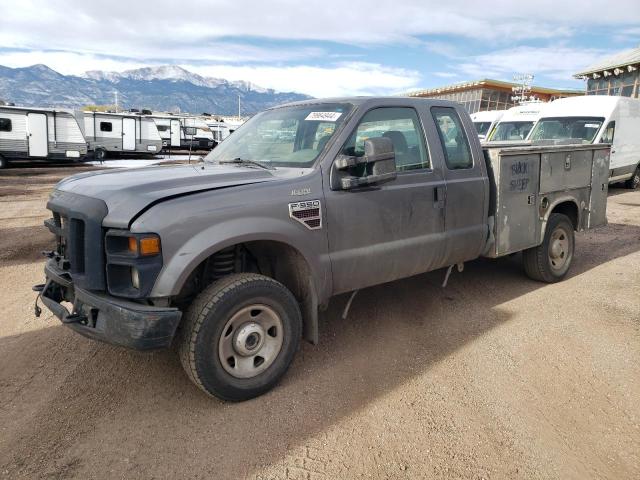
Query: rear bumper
[106, 318]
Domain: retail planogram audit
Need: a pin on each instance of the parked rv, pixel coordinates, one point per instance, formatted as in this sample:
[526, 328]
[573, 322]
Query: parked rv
[220, 131]
[121, 133]
[169, 129]
[598, 119]
[39, 134]
[202, 139]
[486, 121]
[174, 133]
[516, 123]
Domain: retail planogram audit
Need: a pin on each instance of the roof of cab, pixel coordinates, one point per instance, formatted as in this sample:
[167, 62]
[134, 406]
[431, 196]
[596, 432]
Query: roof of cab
[358, 101]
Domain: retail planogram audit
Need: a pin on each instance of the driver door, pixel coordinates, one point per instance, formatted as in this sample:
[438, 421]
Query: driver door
[393, 230]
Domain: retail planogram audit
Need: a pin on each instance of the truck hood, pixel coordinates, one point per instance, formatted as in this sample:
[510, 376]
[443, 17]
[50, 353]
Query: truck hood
[127, 192]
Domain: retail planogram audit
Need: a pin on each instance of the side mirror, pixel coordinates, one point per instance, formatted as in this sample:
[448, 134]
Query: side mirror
[376, 166]
[191, 131]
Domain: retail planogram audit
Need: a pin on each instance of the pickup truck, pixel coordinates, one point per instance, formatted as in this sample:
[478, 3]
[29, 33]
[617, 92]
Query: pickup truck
[232, 258]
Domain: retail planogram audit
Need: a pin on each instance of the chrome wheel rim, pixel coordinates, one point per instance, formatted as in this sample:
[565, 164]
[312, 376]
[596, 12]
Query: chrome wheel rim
[559, 248]
[250, 341]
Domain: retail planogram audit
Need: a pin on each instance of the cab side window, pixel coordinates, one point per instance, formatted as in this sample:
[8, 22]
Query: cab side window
[106, 127]
[402, 127]
[457, 152]
[607, 136]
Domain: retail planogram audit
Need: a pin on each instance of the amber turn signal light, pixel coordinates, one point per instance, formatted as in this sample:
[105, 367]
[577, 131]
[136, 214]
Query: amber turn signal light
[144, 246]
[149, 246]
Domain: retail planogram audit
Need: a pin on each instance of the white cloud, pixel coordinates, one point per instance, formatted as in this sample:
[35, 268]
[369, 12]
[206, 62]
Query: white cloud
[558, 63]
[343, 79]
[201, 28]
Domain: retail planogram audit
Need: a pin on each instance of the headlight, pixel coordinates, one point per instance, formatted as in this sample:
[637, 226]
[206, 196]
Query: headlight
[134, 261]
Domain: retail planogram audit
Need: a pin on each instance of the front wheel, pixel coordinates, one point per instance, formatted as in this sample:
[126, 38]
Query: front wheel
[239, 336]
[634, 182]
[550, 261]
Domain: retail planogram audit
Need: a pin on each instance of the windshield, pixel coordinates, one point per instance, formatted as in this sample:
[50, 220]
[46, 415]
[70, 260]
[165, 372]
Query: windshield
[283, 137]
[581, 129]
[482, 127]
[509, 131]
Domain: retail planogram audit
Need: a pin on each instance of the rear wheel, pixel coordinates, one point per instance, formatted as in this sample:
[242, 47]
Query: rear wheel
[239, 336]
[550, 261]
[634, 182]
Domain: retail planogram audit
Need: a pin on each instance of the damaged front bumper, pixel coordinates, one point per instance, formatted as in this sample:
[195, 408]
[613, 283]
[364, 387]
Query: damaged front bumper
[107, 318]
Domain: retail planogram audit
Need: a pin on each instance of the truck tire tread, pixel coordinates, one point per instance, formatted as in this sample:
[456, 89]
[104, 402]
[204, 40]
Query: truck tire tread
[535, 260]
[197, 313]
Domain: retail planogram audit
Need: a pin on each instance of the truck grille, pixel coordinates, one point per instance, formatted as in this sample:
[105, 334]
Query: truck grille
[77, 225]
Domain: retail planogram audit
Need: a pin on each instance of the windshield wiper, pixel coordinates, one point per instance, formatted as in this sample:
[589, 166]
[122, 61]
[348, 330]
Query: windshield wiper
[244, 161]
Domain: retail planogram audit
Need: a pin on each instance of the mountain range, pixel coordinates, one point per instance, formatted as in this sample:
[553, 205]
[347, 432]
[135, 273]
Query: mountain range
[162, 88]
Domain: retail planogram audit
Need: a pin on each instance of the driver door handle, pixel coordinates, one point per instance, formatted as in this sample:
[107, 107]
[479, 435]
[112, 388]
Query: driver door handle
[439, 194]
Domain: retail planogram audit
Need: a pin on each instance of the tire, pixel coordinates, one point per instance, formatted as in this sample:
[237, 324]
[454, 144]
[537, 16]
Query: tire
[550, 261]
[3, 162]
[220, 346]
[100, 154]
[634, 182]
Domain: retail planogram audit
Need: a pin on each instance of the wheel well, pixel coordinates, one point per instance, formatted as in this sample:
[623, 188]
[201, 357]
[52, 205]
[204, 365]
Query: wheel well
[273, 259]
[570, 209]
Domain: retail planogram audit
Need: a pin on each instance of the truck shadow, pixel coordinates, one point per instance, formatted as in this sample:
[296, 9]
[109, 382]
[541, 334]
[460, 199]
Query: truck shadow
[84, 402]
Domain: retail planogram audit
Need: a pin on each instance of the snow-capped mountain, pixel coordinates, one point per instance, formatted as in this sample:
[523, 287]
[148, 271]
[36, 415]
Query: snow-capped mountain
[167, 87]
[173, 73]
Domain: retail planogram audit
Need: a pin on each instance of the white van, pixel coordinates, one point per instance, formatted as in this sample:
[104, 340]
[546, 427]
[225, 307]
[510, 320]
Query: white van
[516, 123]
[598, 119]
[485, 121]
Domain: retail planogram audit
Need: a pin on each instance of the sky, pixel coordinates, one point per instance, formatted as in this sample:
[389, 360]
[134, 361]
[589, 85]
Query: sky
[323, 47]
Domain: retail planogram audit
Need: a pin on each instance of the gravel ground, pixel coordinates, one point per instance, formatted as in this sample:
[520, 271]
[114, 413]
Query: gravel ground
[494, 377]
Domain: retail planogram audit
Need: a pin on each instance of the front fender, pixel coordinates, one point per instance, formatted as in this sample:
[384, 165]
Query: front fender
[183, 261]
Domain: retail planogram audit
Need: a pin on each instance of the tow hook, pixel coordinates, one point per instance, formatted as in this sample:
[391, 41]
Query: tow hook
[75, 318]
[36, 308]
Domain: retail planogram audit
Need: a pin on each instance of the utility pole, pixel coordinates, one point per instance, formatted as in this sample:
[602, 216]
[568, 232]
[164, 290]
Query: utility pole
[238, 106]
[116, 94]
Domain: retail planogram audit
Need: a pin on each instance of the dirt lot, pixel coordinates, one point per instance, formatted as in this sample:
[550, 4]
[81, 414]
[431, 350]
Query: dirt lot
[495, 377]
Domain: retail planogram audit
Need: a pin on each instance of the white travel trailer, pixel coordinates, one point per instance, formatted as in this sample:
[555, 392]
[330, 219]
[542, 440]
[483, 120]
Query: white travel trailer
[516, 123]
[485, 121]
[220, 131]
[203, 138]
[597, 119]
[173, 132]
[39, 134]
[170, 130]
[109, 133]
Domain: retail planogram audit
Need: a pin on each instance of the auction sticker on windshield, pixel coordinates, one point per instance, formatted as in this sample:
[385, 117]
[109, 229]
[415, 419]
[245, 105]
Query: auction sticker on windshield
[326, 116]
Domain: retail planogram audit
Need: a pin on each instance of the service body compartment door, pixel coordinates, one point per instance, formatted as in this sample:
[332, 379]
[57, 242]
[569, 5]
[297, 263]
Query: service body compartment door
[175, 133]
[128, 134]
[565, 170]
[38, 142]
[517, 225]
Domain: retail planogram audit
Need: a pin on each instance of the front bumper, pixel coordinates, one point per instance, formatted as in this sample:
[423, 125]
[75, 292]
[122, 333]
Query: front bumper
[106, 318]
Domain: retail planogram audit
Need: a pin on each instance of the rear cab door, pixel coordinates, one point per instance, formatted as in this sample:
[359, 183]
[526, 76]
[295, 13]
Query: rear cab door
[467, 185]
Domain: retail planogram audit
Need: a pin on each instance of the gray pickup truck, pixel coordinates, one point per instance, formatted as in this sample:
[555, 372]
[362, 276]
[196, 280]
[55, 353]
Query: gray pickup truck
[232, 258]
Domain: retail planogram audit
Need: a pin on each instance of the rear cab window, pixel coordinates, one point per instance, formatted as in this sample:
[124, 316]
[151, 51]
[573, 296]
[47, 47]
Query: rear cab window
[455, 145]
